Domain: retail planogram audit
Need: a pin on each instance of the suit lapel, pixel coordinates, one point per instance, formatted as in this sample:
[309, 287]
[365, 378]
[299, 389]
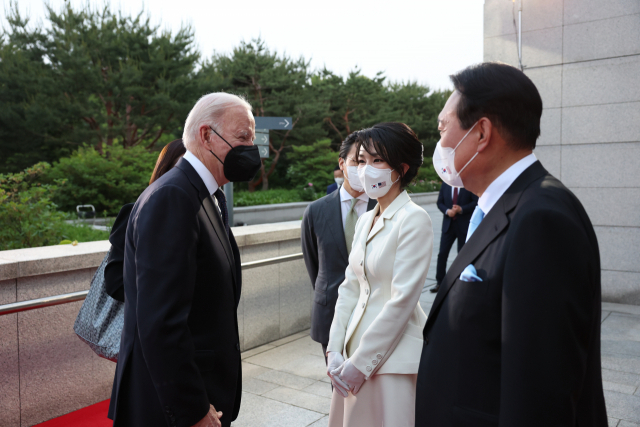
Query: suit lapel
[399, 202]
[333, 218]
[211, 210]
[490, 228]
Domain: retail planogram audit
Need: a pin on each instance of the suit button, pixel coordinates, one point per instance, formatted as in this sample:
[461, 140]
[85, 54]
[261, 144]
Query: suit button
[369, 368]
[238, 346]
[362, 305]
[361, 262]
[374, 362]
[379, 356]
[426, 340]
[366, 291]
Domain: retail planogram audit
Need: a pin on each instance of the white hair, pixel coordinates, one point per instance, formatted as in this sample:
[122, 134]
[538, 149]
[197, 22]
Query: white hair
[208, 111]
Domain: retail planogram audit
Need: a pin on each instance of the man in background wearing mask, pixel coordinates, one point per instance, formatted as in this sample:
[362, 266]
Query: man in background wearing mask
[179, 361]
[513, 336]
[328, 226]
[338, 177]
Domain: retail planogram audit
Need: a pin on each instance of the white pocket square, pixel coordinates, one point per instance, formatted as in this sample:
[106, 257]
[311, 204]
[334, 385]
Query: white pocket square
[469, 274]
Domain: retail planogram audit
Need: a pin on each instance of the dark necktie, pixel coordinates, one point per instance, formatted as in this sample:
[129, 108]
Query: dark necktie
[222, 202]
[455, 199]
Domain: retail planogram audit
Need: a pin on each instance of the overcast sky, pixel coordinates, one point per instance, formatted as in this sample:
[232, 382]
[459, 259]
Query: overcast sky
[423, 40]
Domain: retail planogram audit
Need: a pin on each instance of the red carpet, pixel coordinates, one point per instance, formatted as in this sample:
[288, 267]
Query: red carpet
[91, 416]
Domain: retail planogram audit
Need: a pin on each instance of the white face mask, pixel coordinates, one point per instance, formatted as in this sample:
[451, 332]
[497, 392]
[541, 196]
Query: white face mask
[354, 180]
[339, 181]
[377, 182]
[444, 162]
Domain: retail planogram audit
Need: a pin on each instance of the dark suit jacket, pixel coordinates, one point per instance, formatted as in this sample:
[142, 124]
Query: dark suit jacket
[522, 347]
[114, 270]
[331, 188]
[325, 255]
[180, 349]
[466, 200]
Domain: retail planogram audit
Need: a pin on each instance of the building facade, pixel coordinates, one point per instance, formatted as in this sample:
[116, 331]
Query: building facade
[584, 57]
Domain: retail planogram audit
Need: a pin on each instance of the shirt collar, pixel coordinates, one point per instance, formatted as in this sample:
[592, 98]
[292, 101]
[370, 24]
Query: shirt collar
[201, 169]
[345, 196]
[502, 183]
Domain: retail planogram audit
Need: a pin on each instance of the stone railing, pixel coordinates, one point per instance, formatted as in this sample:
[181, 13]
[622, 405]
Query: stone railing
[46, 371]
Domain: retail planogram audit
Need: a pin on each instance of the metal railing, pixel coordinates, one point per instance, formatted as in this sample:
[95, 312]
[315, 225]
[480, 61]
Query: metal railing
[33, 304]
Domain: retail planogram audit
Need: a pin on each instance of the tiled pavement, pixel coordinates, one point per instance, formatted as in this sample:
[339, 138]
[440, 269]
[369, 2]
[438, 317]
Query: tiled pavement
[285, 382]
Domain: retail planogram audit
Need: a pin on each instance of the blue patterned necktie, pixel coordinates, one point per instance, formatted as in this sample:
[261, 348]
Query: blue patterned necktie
[476, 219]
[222, 202]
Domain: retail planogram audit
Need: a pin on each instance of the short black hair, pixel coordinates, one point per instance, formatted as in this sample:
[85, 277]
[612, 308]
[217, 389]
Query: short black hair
[396, 143]
[347, 144]
[504, 95]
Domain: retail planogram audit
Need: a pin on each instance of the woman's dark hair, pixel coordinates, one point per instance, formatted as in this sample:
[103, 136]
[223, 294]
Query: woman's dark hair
[347, 144]
[396, 144]
[168, 158]
[504, 95]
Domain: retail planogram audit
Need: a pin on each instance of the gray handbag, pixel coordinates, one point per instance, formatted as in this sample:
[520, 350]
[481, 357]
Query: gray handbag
[101, 318]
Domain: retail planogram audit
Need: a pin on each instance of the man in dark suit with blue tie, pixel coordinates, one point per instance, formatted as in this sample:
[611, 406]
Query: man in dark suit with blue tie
[513, 335]
[457, 205]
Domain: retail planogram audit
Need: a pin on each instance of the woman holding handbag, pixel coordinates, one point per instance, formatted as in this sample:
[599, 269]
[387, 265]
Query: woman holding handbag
[376, 340]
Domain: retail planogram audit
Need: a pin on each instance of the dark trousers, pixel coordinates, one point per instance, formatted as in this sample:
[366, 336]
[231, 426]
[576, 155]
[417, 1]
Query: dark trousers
[457, 230]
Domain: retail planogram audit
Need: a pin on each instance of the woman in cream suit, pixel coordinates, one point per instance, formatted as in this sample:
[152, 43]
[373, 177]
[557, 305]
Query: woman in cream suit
[375, 340]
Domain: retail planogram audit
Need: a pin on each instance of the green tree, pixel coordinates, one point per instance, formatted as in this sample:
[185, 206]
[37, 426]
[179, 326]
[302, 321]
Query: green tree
[106, 180]
[312, 164]
[275, 85]
[28, 217]
[93, 77]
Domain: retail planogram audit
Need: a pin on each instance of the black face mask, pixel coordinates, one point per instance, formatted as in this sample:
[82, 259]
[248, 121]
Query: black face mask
[242, 161]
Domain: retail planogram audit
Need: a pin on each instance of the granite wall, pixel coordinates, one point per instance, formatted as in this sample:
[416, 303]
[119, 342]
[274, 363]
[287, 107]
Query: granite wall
[584, 57]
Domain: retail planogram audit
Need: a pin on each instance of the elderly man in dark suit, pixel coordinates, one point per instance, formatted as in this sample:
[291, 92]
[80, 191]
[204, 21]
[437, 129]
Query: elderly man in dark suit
[328, 226]
[456, 204]
[513, 336]
[179, 359]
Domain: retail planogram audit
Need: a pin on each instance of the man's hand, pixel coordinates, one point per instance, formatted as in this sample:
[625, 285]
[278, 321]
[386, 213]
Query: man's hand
[451, 213]
[212, 419]
[334, 361]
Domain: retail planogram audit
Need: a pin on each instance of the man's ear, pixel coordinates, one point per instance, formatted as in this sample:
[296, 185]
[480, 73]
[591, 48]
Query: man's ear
[486, 129]
[341, 164]
[205, 135]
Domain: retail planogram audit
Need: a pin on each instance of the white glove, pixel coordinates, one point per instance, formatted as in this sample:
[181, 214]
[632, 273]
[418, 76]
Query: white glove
[351, 375]
[335, 361]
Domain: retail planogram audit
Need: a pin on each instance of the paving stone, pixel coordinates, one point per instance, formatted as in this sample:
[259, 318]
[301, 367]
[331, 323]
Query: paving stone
[621, 362]
[290, 338]
[604, 315]
[319, 388]
[250, 370]
[324, 422]
[613, 422]
[622, 406]
[301, 399]
[621, 308]
[624, 423]
[256, 386]
[258, 411]
[621, 377]
[309, 366]
[286, 379]
[621, 326]
[247, 354]
[620, 347]
[620, 388]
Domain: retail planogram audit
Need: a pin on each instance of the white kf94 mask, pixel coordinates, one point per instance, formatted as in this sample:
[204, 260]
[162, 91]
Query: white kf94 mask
[444, 162]
[376, 182]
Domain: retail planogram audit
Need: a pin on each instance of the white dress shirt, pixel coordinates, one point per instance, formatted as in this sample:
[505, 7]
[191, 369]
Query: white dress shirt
[498, 187]
[202, 170]
[345, 204]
